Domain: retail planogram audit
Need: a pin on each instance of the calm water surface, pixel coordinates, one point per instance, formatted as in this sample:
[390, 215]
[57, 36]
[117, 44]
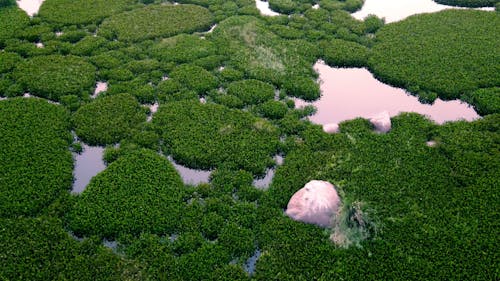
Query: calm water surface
[264, 9]
[395, 10]
[87, 164]
[348, 93]
[191, 176]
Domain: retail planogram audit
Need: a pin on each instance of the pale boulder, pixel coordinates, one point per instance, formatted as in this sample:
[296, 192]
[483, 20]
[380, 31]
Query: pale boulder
[315, 203]
[331, 128]
[382, 122]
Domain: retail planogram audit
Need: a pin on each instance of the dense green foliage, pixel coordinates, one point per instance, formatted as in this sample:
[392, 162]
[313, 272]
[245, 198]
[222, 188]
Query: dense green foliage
[344, 53]
[109, 119]
[54, 76]
[5, 3]
[155, 21]
[449, 53]
[429, 212]
[139, 192]
[194, 78]
[13, 20]
[35, 163]
[468, 3]
[433, 204]
[251, 91]
[82, 11]
[40, 249]
[209, 136]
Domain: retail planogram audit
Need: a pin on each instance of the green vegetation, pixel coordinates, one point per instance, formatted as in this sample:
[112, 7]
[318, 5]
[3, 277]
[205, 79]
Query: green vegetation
[344, 53]
[410, 210]
[35, 163]
[68, 12]
[251, 91]
[155, 21]
[209, 136]
[109, 119]
[139, 192]
[428, 52]
[468, 3]
[194, 78]
[54, 76]
[13, 21]
[5, 3]
[40, 249]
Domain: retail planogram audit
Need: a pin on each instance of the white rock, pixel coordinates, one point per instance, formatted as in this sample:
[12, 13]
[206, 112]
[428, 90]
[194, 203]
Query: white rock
[382, 122]
[315, 203]
[331, 128]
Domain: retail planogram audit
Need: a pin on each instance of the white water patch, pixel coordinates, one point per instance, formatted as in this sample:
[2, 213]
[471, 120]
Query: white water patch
[191, 176]
[212, 28]
[99, 88]
[395, 10]
[264, 9]
[348, 93]
[263, 183]
[31, 7]
[152, 109]
[249, 265]
[39, 45]
[87, 164]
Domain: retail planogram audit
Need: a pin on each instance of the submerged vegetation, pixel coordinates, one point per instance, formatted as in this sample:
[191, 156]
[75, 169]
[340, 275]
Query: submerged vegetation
[419, 202]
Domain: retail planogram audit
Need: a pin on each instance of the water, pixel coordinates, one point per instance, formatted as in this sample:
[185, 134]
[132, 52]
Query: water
[99, 88]
[264, 182]
[152, 108]
[264, 9]
[395, 10]
[31, 7]
[87, 164]
[249, 265]
[348, 93]
[191, 176]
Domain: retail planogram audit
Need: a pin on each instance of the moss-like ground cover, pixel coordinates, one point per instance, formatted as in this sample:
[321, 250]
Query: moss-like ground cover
[108, 119]
[155, 21]
[448, 53]
[35, 162]
[209, 136]
[468, 3]
[431, 210]
[40, 249]
[69, 12]
[138, 192]
[54, 76]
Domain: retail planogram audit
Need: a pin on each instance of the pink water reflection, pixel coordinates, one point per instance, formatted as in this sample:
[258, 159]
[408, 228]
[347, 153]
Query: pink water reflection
[348, 93]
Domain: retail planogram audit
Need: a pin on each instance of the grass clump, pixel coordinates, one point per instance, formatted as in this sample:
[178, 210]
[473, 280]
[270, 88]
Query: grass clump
[426, 52]
[209, 136]
[55, 76]
[251, 91]
[23, 240]
[109, 119]
[35, 163]
[351, 225]
[155, 21]
[344, 53]
[183, 48]
[468, 3]
[70, 12]
[194, 78]
[139, 192]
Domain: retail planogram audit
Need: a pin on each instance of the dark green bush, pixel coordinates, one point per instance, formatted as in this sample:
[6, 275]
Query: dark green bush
[273, 109]
[468, 3]
[155, 21]
[194, 78]
[426, 52]
[485, 101]
[40, 249]
[8, 61]
[344, 53]
[109, 119]
[210, 135]
[14, 20]
[55, 76]
[35, 163]
[139, 192]
[183, 48]
[68, 12]
[251, 91]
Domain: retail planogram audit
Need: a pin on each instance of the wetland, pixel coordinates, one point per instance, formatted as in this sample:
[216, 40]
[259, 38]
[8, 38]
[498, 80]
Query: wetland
[157, 140]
